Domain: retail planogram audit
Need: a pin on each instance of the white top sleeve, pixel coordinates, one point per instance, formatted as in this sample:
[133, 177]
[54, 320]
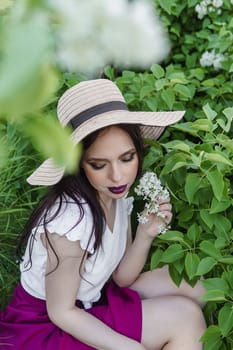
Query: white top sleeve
[73, 224]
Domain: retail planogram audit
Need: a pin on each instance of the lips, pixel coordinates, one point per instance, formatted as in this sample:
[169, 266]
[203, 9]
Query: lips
[118, 190]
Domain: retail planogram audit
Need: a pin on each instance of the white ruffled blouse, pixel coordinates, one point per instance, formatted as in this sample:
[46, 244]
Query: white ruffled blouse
[98, 267]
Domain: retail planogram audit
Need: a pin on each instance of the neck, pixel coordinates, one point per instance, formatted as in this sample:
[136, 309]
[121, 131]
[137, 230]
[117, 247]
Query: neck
[108, 204]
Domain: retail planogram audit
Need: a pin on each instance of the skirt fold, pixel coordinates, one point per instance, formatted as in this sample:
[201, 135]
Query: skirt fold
[25, 325]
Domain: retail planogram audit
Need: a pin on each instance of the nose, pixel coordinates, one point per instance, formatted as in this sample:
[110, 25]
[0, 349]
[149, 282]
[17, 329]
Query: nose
[115, 173]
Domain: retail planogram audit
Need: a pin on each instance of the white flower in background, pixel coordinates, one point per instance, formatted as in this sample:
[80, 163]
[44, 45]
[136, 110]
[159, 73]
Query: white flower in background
[93, 33]
[210, 58]
[207, 59]
[201, 10]
[208, 6]
[151, 190]
[217, 3]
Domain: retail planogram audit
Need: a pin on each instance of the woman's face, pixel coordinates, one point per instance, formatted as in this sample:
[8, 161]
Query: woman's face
[111, 163]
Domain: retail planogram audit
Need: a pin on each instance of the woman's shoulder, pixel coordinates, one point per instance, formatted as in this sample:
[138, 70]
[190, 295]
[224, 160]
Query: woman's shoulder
[65, 214]
[71, 219]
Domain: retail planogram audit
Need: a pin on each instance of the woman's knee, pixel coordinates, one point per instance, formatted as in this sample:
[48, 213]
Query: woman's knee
[187, 310]
[167, 318]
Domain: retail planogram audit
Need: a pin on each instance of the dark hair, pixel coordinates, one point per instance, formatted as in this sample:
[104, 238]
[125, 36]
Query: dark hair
[78, 189]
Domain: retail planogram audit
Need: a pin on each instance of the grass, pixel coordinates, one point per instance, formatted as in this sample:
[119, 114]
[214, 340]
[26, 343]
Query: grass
[17, 199]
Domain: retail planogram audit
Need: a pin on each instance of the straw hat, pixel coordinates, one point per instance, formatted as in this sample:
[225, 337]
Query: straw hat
[94, 104]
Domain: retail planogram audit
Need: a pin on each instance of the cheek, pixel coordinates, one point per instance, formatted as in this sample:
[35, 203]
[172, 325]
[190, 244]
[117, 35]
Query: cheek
[134, 170]
[94, 177]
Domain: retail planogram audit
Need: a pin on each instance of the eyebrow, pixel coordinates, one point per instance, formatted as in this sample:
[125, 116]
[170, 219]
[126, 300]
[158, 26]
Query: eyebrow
[132, 150]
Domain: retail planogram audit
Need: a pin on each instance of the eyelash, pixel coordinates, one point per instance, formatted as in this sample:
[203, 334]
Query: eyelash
[131, 157]
[99, 167]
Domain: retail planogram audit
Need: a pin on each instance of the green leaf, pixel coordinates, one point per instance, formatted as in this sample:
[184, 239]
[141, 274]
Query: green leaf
[217, 158]
[155, 259]
[191, 264]
[210, 249]
[177, 145]
[222, 223]
[175, 275]
[175, 162]
[5, 4]
[187, 128]
[53, 141]
[197, 73]
[145, 91]
[209, 112]
[217, 183]
[174, 252]
[203, 125]
[161, 83]
[168, 97]
[207, 218]
[177, 78]
[215, 283]
[172, 236]
[194, 233]
[158, 71]
[227, 260]
[228, 112]
[109, 72]
[183, 91]
[152, 103]
[212, 338]
[220, 243]
[217, 207]
[225, 319]
[214, 295]
[205, 266]
[192, 184]
[27, 79]
[166, 5]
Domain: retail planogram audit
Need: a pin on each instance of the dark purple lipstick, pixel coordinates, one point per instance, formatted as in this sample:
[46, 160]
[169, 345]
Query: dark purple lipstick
[117, 190]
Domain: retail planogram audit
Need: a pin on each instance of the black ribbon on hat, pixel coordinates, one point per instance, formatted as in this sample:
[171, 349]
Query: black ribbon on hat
[91, 112]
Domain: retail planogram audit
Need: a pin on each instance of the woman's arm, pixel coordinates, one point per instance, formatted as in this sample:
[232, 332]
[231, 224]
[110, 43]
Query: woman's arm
[62, 285]
[137, 251]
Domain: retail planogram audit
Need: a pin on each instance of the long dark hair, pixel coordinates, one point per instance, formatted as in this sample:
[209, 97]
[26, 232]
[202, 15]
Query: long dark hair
[78, 189]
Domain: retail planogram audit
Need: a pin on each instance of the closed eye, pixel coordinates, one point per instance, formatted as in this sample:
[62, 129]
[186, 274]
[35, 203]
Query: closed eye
[129, 157]
[97, 166]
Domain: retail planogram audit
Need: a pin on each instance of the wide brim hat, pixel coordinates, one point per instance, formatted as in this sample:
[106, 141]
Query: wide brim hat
[92, 105]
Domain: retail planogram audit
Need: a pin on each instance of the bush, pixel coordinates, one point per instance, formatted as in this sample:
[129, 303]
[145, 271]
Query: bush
[194, 158]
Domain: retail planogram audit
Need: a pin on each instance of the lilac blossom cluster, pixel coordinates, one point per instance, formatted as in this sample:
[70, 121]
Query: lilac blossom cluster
[94, 33]
[151, 190]
[211, 58]
[208, 6]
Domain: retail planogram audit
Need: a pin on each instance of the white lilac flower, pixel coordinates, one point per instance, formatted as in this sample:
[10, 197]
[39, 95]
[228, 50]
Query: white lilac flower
[151, 190]
[208, 6]
[219, 58]
[210, 58]
[207, 59]
[217, 3]
[201, 10]
[93, 33]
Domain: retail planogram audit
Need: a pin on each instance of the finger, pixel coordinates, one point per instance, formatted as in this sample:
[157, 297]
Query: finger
[166, 216]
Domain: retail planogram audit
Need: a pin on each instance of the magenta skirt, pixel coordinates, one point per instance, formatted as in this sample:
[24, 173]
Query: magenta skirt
[25, 325]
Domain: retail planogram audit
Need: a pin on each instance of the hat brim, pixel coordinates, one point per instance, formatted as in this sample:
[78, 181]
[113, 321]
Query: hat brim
[153, 124]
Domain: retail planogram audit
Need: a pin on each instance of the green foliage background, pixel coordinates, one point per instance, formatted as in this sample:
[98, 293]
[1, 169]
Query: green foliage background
[194, 158]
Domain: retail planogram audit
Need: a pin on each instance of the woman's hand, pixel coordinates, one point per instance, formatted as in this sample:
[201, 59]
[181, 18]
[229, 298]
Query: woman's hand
[156, 223]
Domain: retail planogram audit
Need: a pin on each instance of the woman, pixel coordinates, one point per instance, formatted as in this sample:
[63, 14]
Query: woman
[81, 284]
